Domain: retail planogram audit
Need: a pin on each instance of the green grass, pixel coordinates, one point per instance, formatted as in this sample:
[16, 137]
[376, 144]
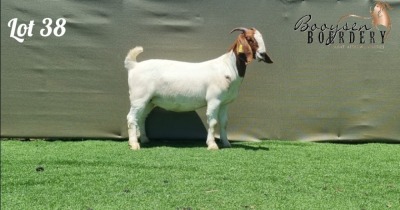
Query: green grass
[267, 175]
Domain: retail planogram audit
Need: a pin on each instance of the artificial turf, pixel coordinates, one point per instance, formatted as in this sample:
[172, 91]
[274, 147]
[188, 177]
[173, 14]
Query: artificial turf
[169, 175]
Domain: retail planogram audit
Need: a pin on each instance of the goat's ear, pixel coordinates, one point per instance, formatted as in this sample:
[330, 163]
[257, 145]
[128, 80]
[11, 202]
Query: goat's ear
[242, 46]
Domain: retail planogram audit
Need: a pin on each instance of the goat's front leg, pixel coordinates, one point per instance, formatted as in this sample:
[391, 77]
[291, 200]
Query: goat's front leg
[223, 120]
[212, 114]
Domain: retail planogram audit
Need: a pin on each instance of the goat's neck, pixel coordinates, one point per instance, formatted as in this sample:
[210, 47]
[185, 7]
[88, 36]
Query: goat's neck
[237, 62]
[241, 64]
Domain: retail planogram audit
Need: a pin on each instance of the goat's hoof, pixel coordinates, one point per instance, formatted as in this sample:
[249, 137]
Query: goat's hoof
[135, 146]
[228, 145]
[213, 147]
[144, 139]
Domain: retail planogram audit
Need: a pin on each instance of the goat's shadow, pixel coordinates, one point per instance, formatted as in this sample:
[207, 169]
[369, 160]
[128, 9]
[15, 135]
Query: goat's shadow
[162, 124]
[182, 130]
[181, 143]
[175, 143]
[239, 144]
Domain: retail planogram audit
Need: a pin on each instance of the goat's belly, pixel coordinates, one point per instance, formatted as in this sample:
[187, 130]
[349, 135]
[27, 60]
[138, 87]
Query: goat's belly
[180, 104]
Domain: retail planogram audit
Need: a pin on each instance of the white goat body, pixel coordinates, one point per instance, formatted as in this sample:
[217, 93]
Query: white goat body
[181, 86]
[173, 86]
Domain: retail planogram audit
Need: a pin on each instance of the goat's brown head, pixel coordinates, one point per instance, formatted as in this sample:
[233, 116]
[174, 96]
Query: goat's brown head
[251, 44]
[380, 15]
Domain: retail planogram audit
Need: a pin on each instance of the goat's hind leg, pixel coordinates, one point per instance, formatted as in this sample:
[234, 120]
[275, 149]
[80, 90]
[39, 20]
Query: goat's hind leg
[135, 120]
[133, 130]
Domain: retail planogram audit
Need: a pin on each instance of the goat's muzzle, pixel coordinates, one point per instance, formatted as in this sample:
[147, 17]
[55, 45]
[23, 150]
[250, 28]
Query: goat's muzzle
[264, 57]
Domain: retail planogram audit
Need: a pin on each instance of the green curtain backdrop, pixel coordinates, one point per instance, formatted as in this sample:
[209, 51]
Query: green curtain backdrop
[73, 83]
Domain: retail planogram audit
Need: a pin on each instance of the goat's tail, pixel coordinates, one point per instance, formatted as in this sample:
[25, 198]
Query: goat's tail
[130, 59]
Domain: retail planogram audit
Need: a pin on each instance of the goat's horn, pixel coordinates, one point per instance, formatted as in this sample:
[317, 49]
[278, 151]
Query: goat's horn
[242, 29]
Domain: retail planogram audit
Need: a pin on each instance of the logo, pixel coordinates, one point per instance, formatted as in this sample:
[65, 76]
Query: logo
[347, 30]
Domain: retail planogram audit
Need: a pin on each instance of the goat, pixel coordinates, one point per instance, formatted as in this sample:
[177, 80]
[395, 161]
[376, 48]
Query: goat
[181, 86]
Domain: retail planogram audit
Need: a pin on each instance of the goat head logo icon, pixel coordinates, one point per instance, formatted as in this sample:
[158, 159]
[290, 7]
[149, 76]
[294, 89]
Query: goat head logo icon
[379, 16]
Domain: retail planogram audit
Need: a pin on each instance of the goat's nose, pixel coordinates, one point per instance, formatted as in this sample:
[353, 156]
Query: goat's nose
[266, 58]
